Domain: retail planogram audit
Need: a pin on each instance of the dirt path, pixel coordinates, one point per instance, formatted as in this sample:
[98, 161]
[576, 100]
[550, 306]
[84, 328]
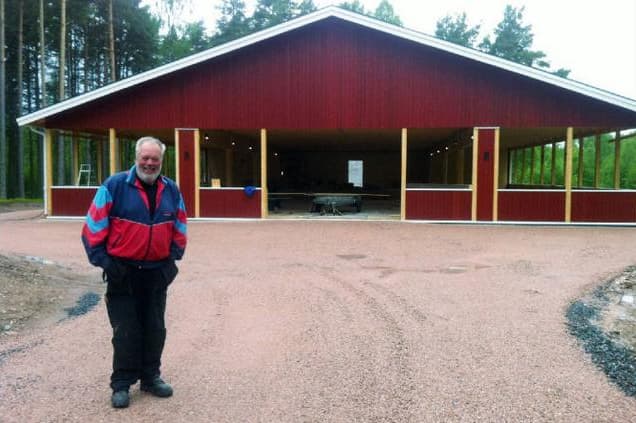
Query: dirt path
[339, 321]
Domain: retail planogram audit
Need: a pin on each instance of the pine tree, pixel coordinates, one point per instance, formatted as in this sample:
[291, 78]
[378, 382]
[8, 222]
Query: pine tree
[456, 30]
[386, 13]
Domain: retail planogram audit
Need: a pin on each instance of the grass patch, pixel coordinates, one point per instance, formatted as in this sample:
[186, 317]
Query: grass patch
[17, 201]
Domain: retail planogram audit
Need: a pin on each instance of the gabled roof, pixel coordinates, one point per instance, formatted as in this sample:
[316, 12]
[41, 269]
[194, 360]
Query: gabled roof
[319, 15]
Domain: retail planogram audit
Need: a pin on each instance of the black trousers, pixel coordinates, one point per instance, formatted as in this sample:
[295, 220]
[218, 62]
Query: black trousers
[136, 304]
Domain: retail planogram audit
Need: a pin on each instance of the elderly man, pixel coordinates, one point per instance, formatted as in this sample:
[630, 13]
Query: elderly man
[135, 230]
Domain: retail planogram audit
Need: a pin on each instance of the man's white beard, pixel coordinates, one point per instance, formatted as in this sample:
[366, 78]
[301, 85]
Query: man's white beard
[147, 178]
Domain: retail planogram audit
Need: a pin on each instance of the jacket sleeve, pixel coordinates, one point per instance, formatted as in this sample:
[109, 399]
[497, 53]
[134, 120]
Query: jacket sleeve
[96, 226]
[179, 232]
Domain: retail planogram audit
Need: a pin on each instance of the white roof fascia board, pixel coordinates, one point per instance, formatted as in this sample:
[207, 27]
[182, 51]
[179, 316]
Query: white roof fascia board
[332, 11]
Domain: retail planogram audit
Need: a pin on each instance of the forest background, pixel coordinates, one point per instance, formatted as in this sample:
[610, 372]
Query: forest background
[58, 49]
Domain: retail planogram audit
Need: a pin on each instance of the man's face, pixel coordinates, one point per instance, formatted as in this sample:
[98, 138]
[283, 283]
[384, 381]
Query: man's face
[148, 162]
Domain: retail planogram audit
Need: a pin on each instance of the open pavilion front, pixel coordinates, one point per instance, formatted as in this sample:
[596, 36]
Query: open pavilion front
[338, 105]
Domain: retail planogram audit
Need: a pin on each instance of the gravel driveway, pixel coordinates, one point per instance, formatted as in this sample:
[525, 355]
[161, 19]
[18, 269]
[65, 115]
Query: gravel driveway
[324, 321]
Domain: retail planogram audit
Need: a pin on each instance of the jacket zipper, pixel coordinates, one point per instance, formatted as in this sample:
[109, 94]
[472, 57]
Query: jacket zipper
[152, 219]
[149, 243]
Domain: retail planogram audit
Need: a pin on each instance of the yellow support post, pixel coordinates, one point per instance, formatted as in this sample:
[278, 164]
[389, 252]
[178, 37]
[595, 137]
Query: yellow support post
[48, 159]
[113, 156]
[404, 150]
[495, 179]
[264, 209]
[473, 208]
[176, 157]
[568, 174]
[197, 173]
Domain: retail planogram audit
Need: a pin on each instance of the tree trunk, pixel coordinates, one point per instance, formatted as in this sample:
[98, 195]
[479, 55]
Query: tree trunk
[3, 118]
[111, 42]
[42, 58]
[20, 158]
[62, 64]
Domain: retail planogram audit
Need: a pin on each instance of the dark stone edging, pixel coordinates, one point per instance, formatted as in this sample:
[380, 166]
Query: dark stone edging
[617, 361]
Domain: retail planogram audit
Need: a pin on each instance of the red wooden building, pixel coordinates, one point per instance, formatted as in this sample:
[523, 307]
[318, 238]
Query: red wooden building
[336, 102]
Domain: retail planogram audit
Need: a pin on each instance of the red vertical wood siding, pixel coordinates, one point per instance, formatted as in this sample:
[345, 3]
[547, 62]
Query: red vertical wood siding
[601, 206]
[531, 206]
[71, 201]
[229, 203]
[485, 174]
[438, 205]
[187, 169]
[335, 74]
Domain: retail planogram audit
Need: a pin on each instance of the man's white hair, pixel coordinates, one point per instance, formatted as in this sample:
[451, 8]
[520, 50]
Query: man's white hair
[143, 140]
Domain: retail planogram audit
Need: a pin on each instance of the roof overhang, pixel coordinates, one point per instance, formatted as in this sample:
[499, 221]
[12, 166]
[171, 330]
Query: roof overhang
[322, 14]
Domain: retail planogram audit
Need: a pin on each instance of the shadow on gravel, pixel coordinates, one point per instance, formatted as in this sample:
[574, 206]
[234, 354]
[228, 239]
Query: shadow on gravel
[617, 361]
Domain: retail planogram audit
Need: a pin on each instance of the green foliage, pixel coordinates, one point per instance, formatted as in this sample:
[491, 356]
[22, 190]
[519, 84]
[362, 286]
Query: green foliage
[456, 30]
[524, 172]
[386, 13]
[272, 12]
[232, 23]
[354, 6]
[513, 40]
[14, 201]
[190, 39]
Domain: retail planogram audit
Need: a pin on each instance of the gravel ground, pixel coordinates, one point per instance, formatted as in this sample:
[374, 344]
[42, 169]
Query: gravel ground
[313, 321]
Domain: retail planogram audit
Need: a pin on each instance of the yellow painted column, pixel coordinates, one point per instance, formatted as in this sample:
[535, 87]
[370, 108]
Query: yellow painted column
[113, 151]
[404, 157]
[176, 157]
[48, 159]
[197, 173]
[569, 142]
[264, 209]
[473, 208]
[495, 179]
[597, 161]
[617, 160]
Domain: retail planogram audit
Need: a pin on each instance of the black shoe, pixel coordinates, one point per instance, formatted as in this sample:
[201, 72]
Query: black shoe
[120, 399]
[157, 387]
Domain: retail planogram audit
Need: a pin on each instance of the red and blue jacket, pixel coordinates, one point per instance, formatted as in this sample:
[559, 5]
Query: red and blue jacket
[119, 224]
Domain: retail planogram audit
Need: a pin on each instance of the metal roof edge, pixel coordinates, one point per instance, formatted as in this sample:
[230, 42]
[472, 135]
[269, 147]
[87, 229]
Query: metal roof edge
[324, 13]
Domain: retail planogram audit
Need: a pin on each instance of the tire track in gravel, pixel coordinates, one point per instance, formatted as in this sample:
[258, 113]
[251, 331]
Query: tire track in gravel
[395, 400]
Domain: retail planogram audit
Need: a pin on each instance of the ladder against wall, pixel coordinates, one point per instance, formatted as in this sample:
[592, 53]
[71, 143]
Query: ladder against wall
[85, 171]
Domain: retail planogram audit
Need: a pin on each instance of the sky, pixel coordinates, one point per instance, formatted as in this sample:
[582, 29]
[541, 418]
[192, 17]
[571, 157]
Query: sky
[595, 39]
